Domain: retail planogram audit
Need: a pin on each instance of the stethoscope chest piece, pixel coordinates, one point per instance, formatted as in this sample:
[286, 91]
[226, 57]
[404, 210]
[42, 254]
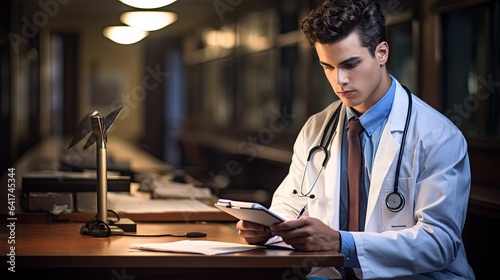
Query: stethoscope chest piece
[395, 201]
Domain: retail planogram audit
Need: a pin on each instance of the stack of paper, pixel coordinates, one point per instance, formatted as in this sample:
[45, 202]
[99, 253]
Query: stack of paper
[126, 203]
[165, 188]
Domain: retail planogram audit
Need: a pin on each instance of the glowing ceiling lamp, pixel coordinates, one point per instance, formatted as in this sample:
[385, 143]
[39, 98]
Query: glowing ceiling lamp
[147, 4]
[124, 35]
[148, 20]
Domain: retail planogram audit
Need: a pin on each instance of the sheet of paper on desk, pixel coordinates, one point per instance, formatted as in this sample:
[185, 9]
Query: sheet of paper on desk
[126, 203]
[204, 247]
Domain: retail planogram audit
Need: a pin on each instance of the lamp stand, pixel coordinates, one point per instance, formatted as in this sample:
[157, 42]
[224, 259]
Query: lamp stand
[103, 227]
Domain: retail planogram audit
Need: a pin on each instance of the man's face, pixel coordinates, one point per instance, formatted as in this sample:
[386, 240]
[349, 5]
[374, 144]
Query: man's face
[358, 78]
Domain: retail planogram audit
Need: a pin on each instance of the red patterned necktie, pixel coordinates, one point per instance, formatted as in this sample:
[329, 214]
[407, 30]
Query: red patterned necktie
[354, 168]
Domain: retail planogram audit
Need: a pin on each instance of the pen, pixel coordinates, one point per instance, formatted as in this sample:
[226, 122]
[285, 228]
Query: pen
[302, 211]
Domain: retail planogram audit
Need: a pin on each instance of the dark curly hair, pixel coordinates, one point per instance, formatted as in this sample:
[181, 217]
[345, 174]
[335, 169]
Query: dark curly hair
[334, 20]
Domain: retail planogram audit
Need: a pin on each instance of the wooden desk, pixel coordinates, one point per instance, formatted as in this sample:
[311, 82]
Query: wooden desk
[58, 249]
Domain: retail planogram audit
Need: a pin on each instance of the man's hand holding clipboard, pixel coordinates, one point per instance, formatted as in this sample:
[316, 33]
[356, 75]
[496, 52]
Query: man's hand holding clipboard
[249, 211]
[255, 213]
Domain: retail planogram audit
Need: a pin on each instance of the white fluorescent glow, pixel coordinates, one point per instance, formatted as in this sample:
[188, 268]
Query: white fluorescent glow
[124, 35]
[147, 4]
[148, 20]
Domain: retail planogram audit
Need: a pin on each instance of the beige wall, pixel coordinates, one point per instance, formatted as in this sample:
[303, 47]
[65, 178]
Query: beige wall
[100, 55]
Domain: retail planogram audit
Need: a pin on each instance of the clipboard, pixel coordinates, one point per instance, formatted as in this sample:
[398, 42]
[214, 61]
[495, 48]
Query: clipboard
[249, 211]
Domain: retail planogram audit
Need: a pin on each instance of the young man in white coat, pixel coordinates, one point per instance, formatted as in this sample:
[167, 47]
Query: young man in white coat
[412, 230]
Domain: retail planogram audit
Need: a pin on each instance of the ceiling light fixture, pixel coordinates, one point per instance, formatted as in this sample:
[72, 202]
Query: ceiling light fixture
[124, 35]
[147, 4]
[148, 20]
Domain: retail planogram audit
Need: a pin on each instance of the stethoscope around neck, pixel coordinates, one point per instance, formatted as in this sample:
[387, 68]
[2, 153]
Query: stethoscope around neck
[394, 201]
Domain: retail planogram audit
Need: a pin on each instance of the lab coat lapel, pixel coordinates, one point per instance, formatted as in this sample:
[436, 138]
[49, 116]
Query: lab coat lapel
[333, 174]
[386, 154]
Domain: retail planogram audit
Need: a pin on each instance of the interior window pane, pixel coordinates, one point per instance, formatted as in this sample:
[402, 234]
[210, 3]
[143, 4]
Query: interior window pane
[257, 99]
[469, 71]
[401, 62]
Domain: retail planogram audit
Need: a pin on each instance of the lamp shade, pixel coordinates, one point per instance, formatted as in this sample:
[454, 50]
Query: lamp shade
[147, 4]
[124, 35]
[148, 20]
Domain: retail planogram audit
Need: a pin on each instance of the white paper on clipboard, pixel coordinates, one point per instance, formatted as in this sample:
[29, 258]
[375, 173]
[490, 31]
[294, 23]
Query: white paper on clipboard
[249, 211]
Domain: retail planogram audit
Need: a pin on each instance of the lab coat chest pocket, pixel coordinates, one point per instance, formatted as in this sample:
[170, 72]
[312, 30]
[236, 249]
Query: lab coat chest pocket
[397, 220]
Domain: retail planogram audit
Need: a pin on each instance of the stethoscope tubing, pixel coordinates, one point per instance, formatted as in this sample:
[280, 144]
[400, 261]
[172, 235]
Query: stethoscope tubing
[328, 136]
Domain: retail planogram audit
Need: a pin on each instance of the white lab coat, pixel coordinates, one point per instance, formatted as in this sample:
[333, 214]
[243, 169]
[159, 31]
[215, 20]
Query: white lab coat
[423, 240]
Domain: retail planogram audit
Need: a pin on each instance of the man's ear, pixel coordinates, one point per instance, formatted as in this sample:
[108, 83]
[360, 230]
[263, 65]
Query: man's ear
[382, 52]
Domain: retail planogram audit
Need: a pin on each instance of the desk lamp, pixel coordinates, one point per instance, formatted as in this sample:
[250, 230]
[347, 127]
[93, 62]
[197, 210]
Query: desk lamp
[98, 126]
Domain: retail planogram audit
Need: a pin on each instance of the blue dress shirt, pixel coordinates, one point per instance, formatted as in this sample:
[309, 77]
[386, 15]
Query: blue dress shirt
[373, 121]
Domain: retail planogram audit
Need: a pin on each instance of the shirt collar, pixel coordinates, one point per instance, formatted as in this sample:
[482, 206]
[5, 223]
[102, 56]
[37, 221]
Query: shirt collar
[372, 118]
